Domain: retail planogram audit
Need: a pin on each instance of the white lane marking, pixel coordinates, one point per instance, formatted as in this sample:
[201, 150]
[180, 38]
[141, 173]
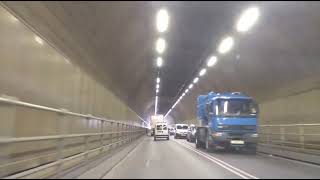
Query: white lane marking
[225, 163]
[216, 162]
[221, 163]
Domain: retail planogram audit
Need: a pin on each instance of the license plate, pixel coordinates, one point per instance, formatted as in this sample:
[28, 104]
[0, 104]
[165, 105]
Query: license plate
[237, 142]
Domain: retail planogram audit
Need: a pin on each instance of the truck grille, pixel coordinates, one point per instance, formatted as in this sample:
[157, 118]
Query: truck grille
[238, 128]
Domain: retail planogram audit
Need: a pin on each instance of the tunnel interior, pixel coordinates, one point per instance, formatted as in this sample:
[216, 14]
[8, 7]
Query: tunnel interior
[99, 59]
[268, 62]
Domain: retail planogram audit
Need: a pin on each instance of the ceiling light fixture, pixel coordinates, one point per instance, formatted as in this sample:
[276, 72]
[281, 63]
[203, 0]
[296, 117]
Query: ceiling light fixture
[159, 61]
[202, 72]
[226, 45]
[248, 18]
[160, 45]
[162, 20]
[190, 86]
[212, 61]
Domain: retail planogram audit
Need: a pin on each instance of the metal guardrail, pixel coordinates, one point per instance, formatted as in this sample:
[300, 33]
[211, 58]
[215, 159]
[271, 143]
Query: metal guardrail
[279, 135]
[60, 111]
[125, 132]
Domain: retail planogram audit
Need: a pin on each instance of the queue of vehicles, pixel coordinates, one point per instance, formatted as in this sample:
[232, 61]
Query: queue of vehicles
[226, 120]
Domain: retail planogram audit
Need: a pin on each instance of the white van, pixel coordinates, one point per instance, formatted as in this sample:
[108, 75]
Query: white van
[181, 131]
[161, 131]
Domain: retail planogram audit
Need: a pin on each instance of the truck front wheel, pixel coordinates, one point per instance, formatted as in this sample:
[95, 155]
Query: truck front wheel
[209, 146]
[252, 149]
[198, 144]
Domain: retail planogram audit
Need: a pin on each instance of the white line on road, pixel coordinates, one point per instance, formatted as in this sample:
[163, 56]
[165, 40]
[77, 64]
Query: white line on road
[219, 162]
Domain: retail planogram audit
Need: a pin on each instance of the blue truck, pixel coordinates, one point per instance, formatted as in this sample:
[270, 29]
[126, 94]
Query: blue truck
[227, 120]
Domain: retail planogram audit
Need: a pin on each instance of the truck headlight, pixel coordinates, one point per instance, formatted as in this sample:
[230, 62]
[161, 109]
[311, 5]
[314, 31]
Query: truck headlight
[255, 135]
[217, 134]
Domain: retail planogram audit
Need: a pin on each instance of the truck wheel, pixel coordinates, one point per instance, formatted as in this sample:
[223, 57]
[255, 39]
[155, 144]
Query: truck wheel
[209, 147]
[253, 149]
[198, 145]
[168, 138]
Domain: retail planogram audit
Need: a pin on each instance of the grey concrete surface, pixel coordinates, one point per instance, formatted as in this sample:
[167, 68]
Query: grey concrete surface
[165, 159]
[180, 159]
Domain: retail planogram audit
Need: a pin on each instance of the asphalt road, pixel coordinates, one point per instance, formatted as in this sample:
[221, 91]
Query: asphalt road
[180, 159]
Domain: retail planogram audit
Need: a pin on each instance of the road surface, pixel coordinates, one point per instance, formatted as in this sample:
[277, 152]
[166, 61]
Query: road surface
[180, 159]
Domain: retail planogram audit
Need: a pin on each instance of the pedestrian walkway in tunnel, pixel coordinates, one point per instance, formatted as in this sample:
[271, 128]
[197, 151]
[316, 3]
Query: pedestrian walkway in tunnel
[180, 159]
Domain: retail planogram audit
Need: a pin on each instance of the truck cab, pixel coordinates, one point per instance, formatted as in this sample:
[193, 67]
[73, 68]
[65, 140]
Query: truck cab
[228, 120]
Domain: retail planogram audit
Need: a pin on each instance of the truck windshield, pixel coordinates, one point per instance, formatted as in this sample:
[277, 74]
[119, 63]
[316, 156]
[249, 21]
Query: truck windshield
[162, 127]
[236, 107]
[182, 127]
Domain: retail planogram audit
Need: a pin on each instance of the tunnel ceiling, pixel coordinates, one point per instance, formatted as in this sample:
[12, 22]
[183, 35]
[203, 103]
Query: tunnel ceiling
[115, 42]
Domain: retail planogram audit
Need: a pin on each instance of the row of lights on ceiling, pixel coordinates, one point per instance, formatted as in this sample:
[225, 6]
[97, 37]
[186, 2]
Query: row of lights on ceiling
[246, 21]
[162, 24]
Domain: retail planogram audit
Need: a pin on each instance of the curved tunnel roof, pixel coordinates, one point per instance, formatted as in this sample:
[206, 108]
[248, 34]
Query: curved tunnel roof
[115, 42]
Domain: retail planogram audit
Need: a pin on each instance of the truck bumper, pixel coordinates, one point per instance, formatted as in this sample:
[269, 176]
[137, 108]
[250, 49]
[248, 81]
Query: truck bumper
[225, 139]
[181, 135]
[161, 136]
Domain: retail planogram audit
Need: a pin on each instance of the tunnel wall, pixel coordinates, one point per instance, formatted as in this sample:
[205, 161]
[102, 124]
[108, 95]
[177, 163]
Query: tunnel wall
[39, 74]
[302, 108]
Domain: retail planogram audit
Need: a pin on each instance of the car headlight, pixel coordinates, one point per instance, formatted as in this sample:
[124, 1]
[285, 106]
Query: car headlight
[255, 135]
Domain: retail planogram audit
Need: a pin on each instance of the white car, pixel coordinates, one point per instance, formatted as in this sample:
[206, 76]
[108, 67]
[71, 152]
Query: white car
[181, 131]
[161, 131]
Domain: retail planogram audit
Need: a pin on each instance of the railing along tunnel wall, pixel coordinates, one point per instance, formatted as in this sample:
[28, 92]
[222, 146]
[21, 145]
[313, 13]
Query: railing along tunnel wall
[44, 156]
[291, 123]
[43, 131]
